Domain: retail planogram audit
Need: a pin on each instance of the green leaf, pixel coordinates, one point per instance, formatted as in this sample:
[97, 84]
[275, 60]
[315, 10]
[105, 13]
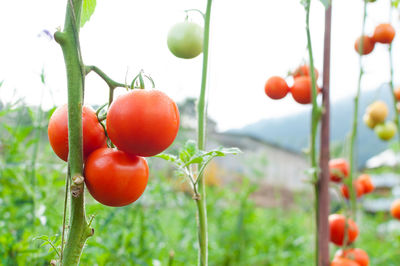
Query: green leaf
[188, 151]
[88, 8]
[167, 157]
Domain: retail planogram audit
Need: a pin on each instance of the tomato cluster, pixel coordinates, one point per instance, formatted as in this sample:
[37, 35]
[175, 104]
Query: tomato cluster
[140, 123]
[350, 257]
[375, 117]
[383, 33]
[277, 88]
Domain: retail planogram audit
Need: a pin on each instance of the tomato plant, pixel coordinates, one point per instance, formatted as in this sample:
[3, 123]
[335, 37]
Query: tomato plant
[115, 178]
[337, 224]
[93, 132]
[355, 254]
[276, 88]
[368, 45]
[185, 40]
[384, 33]
[143, 122]
[338, 169]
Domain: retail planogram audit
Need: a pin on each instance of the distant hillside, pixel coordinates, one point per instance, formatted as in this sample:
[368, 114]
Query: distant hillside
[292, 132]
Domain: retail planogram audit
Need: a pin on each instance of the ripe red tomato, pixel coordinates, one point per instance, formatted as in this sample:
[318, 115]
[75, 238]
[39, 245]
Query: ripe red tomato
[301, 90]
[397, 93]
[276, 88]
[143, 122]
[337, 224]
[304, 70]
[93, 133]
[354, 254]
[339, 261]
[357, 186]
[115, 178]
[338, 169]
[395, 209]
[366, 182]
[368, 45]
[384, 33]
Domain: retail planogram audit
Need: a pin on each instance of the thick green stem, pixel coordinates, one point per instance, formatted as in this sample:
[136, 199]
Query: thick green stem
[352, 161]
[202, 114]
[79, 229]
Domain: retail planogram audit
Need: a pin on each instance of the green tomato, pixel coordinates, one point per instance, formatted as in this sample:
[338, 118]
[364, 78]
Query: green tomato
[185, 40]
[386, 131]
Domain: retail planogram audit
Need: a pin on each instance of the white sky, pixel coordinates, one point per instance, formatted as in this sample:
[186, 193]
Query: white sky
[250, 41]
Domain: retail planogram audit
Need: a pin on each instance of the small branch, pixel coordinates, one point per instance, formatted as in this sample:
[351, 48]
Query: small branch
[111, 83]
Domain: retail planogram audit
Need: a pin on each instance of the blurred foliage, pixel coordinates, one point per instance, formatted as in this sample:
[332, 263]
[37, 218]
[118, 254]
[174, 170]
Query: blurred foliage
[160, 227]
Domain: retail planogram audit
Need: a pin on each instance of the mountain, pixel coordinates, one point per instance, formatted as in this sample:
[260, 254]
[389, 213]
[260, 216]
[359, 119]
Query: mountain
[292, 132]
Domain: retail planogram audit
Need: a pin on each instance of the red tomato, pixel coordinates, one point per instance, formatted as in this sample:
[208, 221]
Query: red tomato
[368, 45]
[338, 169]
[304, 70]
[93, 132]
[366, 182]
[354, 254]
[337, 224]
[384, 33]
[143, 122]
[115, 178]
[357, 186]
[276, 88]
[395, 209]
[301, 90]
[397, 93]
[343, 262]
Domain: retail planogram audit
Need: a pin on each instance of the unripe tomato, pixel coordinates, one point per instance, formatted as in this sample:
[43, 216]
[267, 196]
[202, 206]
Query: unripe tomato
[338, 169]
[304, 70]
[357, 186]
[185, 40]
[384, 33]
[301, 90]
[355, 254]
[378, 111]
[395, 209]
[368, 121]
[368, 45]
[386, 131]
[337, 223]
[143, 122]
[93, 133]
[276, 88]
[339, 261]
[366, 182]
[115, 178]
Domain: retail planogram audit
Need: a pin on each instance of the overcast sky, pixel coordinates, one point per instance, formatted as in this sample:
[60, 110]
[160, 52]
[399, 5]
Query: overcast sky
[250, 41]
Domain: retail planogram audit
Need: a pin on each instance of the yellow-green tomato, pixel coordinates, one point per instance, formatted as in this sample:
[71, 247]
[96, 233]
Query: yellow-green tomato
[185, 40]
[368, 121]
[386, 131]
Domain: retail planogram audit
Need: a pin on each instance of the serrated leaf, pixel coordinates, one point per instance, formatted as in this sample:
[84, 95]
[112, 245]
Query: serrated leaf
[167, 157]
[190, 147]
[43, 237]
[88, 8]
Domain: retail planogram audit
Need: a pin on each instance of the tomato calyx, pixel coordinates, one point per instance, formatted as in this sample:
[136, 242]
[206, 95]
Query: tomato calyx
[138, 81]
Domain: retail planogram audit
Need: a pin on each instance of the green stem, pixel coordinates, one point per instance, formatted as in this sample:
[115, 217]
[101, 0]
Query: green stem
[315, 117]
[349, 183]
[79, 229]
[202, 114]
[396, 111]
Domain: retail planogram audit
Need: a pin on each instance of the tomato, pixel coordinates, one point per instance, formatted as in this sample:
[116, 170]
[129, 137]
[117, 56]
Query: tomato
[339, 261]
[338, 169]
[356, 185]
[115, 178]
[395, 209]
[384, 33]
[276, 88]
[378, 111]
[93, 132]
[337, 223]
[397, 94]
[355, 254]
[301, 90]
[368, 45]
[304, 70]
[368, 121]
[386, 131]
[366, 182]
[185, 40]
[143, 122]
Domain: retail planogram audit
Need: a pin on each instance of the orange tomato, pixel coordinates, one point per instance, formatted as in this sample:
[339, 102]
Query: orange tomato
[338, 169]
[384, 33]
[357, 185]
[397, 93]
[395, 209]
[339, 261]
[354, 254]
[368, 45]
[337, 224]
[304, 70]
[366, 182]
[276, 88]
[301, 90]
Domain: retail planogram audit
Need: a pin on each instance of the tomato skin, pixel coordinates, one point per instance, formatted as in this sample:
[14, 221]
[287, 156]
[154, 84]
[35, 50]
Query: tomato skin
[384, 33]
[301, 90]
[93, 133]
[337, 223]
[355, 254]
[339, 261]
[386, 131]
[115, 178]
[397, 93]
[304, 70]
[185, 40]
[395, 209]
[276, 88]
[338, 169]
[358, 187]
[366, 182]
[143, 122]
[368, 45]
